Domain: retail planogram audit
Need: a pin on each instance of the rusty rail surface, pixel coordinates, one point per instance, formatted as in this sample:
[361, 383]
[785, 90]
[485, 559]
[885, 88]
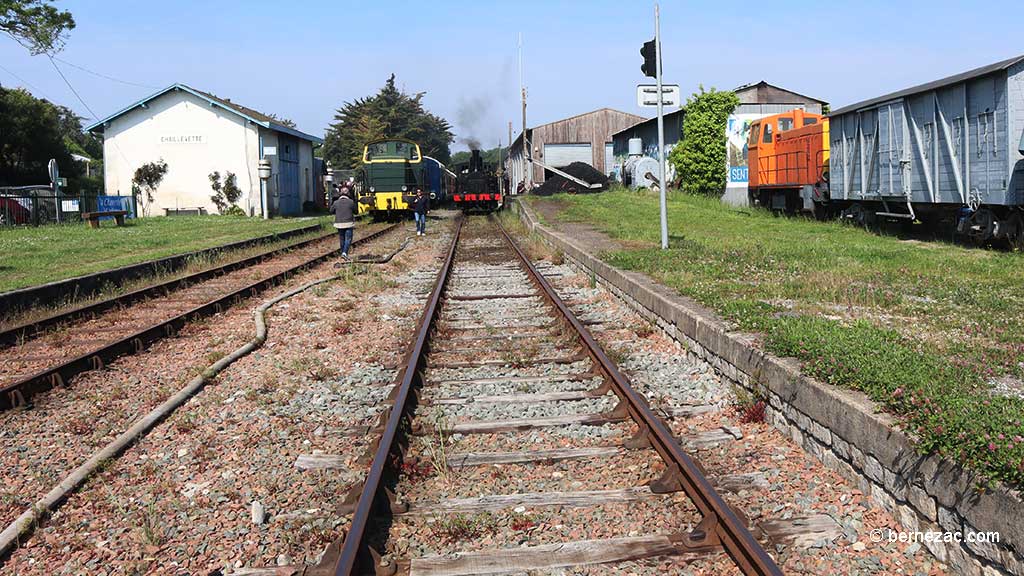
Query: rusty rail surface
[19, 393]
[720, 526]
[21, 333]
[352, 549]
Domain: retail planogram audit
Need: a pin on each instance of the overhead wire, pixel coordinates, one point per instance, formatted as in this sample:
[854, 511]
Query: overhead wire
[87, 107]
[23, 81]
[111, 78]
[72, 88]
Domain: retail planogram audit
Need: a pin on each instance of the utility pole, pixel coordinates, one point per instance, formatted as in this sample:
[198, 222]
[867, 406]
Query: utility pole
[527, 165]
[508, 173]
[661, 130]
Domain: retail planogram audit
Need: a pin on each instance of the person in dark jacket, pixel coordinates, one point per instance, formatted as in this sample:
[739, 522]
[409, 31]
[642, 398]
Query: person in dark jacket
[344, 209]
[419, 204]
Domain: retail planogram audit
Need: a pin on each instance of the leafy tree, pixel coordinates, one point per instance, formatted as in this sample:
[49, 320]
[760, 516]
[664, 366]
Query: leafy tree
[35, 24]
[146, 180]
[700, 158]
[391, 113]
[77, 140]
[32, 132]
[365, 128]
[286, 122]
[490, 156]
[226, 193]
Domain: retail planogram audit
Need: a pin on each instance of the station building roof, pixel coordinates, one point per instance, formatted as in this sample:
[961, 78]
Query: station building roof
[249, 114]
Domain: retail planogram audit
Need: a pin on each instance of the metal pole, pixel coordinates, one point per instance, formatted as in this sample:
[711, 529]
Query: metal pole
[510, 172]
[527, 166]
[263, 187]
[661, 130]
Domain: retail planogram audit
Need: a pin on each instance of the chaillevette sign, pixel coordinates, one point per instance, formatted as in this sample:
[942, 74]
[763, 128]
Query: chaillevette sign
[183, 139]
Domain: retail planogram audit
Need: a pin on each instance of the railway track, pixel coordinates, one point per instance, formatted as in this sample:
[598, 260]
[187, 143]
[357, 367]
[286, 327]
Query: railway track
[489, 311]
[43, 357]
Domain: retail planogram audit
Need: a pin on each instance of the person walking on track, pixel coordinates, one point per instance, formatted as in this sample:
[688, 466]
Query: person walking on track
[419, 211]
[344, 208]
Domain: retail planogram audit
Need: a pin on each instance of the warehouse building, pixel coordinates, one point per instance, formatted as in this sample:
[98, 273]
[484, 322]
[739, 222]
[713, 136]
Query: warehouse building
[196, 134]
[756, 101]
[581, 138]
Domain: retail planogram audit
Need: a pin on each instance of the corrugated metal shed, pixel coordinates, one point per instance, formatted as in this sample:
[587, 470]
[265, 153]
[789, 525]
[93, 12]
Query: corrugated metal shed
[594, 128]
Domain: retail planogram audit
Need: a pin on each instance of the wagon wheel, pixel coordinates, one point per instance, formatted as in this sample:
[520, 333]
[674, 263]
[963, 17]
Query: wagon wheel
[1016, 236]
[855, 215]
[981, 226]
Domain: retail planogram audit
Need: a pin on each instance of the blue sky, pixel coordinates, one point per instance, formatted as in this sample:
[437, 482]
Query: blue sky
[301, 60]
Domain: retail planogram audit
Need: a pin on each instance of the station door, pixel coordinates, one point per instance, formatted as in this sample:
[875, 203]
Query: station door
[559, 155]
[289, 201]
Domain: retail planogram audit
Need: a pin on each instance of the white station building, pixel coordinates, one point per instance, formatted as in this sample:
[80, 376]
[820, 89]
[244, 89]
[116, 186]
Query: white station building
[196, 134]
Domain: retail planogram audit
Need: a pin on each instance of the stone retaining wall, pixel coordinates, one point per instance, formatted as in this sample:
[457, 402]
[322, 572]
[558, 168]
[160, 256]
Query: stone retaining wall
[842, 428]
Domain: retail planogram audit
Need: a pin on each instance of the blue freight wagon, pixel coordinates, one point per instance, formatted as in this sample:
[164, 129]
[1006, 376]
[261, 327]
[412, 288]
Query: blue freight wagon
[949, 152]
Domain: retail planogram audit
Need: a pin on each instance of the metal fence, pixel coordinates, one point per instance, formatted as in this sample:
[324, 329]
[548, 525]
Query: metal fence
[36, 206]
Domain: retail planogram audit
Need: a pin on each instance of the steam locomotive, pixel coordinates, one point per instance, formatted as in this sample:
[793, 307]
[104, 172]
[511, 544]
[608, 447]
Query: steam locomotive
[478, 187]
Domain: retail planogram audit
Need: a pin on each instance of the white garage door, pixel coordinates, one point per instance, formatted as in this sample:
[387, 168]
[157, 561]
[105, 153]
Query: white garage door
[559, 155]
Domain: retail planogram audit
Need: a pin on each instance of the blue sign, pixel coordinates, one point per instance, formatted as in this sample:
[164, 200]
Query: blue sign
[738, 174]
[112, 203]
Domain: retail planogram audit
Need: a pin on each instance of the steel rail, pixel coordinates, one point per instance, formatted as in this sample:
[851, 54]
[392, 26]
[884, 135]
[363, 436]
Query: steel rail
[18, 334]
[352, 549]
[720, 523]
[18, 393]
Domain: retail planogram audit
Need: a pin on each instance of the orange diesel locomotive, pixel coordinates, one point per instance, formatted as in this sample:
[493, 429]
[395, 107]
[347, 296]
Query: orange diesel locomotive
[788, 160]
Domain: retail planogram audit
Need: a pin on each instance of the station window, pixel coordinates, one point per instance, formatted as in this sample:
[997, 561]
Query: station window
[767, 133]
[785, 124]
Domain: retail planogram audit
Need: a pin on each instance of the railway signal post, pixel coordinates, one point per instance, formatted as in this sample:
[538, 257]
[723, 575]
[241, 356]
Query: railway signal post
[651, 52]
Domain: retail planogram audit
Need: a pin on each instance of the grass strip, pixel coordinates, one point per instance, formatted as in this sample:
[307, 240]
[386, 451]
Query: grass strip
[32, 256]
[927, 329]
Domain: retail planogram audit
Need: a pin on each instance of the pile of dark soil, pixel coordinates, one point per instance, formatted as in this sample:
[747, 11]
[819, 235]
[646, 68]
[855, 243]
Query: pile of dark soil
[583, 171]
